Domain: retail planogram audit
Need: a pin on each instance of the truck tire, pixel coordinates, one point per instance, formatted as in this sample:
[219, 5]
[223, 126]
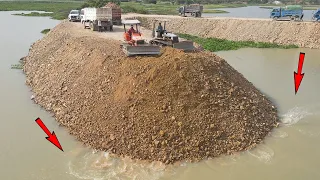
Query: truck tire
[93, 26]
[292, 18]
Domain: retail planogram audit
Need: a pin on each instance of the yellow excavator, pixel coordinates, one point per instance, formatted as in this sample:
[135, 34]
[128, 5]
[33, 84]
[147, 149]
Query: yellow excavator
[134, 43]
[162, 37]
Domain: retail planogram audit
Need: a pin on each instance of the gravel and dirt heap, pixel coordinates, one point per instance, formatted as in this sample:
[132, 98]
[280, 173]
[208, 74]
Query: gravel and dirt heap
[174, 107]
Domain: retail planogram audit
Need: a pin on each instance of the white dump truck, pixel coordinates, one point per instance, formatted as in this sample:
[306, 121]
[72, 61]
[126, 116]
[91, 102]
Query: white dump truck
[194, 10]
[97, 19]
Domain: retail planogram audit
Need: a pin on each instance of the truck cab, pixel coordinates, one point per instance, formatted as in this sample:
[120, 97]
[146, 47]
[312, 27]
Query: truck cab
[316, 15]
[74, 15]
[275, 12]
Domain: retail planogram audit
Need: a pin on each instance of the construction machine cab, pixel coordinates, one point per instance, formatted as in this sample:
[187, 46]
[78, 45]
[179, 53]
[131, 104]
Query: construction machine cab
[132, 35]
[163, 34]
[134, 44]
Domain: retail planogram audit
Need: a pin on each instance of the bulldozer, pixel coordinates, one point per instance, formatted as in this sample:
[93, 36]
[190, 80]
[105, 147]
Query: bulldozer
[165, 38]
[134, 43]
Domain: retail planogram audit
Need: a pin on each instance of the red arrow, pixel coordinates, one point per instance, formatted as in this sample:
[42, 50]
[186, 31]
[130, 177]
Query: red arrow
[51, 137]
[298, 76]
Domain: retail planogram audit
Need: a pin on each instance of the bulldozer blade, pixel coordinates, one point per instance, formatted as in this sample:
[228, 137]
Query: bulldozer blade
[141, 50]
[184, 45]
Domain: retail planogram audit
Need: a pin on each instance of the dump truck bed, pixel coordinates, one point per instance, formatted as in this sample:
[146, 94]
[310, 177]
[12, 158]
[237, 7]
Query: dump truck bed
[100, 14]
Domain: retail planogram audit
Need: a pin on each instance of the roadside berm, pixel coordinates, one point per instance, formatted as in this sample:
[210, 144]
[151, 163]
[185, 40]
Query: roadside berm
[168, 108]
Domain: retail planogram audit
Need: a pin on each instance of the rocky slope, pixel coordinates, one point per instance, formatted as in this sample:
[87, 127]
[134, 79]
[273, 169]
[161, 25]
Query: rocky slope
[169, 108]
[302, 34]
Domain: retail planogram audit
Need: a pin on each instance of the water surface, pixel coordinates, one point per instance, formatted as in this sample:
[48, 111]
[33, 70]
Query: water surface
[252, 12]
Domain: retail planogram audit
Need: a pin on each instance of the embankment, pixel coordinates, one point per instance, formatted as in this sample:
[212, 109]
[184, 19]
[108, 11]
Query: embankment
[168, 108]
[302, 34]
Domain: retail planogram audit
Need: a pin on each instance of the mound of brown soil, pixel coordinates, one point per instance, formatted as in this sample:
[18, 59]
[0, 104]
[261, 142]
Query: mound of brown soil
[173, 107]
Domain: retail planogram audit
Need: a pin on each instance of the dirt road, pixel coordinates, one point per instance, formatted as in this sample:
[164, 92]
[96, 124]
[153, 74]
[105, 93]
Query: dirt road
[116, 34]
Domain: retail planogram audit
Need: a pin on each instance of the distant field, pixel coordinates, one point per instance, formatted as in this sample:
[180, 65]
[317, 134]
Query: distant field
[60, 10]
[167, 8]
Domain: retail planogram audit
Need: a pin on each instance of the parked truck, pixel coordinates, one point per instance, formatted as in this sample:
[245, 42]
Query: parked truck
[194, 10]
[114, 13]
[290, 12]
[316, 15]
[97, 19]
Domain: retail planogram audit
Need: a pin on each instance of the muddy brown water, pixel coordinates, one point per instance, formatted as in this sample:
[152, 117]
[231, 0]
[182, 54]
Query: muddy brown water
[291, 152]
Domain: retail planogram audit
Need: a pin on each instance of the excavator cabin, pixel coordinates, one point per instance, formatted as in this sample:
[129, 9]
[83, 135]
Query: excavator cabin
[134, 43]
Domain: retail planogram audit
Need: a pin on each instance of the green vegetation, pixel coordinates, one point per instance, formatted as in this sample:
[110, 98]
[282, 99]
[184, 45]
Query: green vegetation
[34, 14]
[214, 11]
[98, 3]
[19, 65]
[45, 31]
[60, 10]
[215, 44]
[163, 8]
[128, 7]
[217, 6]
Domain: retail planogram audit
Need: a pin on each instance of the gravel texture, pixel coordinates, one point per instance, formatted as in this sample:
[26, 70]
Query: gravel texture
[169, 108]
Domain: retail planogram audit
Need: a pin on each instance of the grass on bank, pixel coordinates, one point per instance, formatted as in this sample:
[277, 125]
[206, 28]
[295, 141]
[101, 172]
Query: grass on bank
[217, 6]
[45, 31]
[19, 65]
[213, 11]
[37, 14]
[215, 44]
[167, 8]
[60, 10]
